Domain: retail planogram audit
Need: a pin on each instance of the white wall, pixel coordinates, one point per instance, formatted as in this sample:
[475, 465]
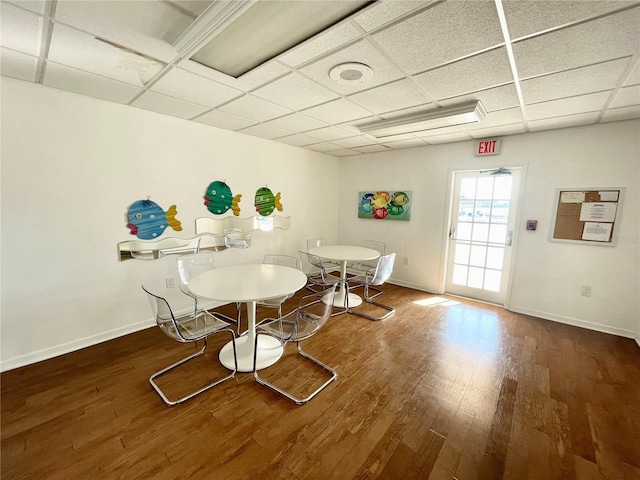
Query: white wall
[546, 275]
[71, 166]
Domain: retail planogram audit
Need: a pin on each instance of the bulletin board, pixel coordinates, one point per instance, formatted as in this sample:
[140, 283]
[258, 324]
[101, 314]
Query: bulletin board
[586, 215]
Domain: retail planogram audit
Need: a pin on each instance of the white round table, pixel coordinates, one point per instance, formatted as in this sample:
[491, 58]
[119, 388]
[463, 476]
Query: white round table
[248, 284]
[344, 254]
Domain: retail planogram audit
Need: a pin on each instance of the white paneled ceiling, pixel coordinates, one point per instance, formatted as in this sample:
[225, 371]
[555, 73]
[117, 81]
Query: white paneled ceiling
[534, 64]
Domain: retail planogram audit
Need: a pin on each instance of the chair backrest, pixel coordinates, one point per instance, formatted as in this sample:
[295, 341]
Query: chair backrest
[383, 270]
[375, 245]
[285, 260]
[164, 315]
[190, 266]
[314, 261]
[316, 242]
[312, 313]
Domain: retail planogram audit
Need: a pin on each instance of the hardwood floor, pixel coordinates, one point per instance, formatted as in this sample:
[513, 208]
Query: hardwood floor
[446, 388]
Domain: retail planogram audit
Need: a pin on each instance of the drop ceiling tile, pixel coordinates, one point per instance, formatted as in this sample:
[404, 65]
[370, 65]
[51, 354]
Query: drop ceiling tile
[498, 131]
[298, 140]
[21, 30]
[320, 44]
[18, 65]
[393, 96]
[382, 13]
[497, 98]
[84, 83]
[626, 97]
[145, 27]
[594, 78]
[561, 122]
[634, 76]
[82, 51]
[372, 149]
[323, 147]
[265, 73]
[448, 138]
[409, 143]
[329, 133]
[475, 73]
[39, 7]
[295, 92]
[194, 88]
[337, 111]
[196, 7]
[297, 122]
[351, 142]
[526, 18]
[344, 153]
[596, 41]
[254, 108]
[361, 52]
[442, 33]
[266, 131]
[567, 106]
[224, 120]
[625, 113]
[159, 103]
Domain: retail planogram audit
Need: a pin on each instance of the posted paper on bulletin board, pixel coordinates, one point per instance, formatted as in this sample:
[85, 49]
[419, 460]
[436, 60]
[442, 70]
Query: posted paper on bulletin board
[586, 215]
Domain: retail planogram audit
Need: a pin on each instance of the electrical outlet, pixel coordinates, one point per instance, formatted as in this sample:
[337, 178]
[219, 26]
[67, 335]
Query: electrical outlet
[405, 260]
[585, 291]
[170, 282]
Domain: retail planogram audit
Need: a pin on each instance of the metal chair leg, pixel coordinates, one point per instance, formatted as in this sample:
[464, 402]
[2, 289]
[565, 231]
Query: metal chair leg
[185, 360]
[368, 298]
[298, 401]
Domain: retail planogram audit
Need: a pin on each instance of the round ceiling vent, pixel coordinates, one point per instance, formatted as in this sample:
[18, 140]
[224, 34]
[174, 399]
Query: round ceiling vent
[351, 73]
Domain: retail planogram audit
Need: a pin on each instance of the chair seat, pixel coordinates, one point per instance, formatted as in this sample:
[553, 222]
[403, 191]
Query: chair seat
[193, 328]
[287, 329]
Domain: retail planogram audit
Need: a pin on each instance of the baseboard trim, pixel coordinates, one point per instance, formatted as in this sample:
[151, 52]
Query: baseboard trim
[69, 347]
[414, 286]
[638, 341]
[576, 322]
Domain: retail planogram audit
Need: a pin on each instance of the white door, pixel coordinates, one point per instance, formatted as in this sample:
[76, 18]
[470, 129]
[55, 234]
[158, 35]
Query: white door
[481, 233]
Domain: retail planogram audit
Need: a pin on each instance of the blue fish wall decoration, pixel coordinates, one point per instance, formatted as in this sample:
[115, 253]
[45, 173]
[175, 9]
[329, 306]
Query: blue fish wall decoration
[147, 220]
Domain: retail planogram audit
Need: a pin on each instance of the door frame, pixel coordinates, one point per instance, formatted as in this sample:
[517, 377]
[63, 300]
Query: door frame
[451, 171]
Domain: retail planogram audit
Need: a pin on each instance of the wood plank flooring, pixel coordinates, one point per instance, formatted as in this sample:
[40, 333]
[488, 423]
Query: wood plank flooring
[445, 389]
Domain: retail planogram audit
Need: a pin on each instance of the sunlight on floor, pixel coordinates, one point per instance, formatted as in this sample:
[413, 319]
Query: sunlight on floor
[436, 302]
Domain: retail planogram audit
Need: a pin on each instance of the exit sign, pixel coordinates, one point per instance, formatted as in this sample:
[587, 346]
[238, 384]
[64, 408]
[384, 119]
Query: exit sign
[487, 147]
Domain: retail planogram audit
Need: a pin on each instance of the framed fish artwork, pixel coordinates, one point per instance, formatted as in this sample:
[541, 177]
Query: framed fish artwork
[385, 205]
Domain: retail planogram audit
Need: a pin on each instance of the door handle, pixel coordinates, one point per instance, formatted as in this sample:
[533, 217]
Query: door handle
[509, 238]
[452, 233]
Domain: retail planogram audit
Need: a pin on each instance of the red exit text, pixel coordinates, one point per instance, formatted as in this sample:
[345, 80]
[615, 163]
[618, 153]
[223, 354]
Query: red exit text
[488, 147]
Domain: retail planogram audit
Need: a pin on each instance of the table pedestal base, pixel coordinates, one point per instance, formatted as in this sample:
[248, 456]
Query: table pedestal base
[338, 300]
[269, 352]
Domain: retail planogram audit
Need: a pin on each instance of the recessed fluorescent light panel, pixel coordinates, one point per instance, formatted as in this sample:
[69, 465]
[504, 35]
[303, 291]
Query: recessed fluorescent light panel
[267, 29]
[439, 118]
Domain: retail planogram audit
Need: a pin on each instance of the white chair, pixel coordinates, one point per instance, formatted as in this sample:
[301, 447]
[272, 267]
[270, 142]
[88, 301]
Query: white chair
[377, 277]
[361, 267]
[187, 329]
[192, 265]
[305, 321]
[284, 260]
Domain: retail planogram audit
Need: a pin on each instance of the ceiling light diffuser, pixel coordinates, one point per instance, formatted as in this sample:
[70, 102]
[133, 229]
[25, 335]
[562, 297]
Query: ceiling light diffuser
[442, 117]
[235, 37]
